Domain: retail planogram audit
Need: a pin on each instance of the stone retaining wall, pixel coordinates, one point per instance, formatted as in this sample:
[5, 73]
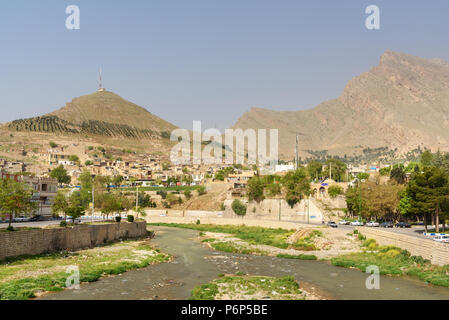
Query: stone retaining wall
[436, 252]
[37, 241]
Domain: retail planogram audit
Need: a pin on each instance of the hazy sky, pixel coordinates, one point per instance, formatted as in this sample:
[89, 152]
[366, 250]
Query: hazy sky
[209, 60]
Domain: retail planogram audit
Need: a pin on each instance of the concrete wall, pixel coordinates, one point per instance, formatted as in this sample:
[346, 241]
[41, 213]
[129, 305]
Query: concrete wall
[230, 221]
[268, 209]
[277, 209]
[438, 253]
[31, 242]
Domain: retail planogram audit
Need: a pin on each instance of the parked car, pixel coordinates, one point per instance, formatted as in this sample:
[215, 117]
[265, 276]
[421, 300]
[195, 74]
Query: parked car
[21, 219]
[372, 224]
[387, 224]
[357, 223]
[343, 222]
[332, 224]
[403, 225]
[37, 218]
[70, 220]
[442, 238]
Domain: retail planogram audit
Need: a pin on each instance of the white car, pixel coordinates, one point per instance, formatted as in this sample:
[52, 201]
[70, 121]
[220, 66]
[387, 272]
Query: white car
[357, 223]
[442, 238]
[343, 222]
[21, 219]
[69, 220]
[372, 224]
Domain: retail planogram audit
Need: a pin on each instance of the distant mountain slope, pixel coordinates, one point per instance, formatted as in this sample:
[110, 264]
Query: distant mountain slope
[401, 103]
[101, 113]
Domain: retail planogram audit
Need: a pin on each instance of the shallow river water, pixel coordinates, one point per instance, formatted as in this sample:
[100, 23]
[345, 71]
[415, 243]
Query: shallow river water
[195, 264]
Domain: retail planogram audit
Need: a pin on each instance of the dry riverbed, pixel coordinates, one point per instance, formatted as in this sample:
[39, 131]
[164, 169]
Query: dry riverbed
[247, 287]
[321, 242]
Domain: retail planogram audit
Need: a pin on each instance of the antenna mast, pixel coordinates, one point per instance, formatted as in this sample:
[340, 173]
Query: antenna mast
[100, 81]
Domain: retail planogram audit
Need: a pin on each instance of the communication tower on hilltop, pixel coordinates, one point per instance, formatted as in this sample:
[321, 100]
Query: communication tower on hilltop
[100, 82]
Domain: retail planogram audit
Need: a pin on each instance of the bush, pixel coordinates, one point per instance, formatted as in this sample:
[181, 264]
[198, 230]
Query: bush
[10, 228]
[238, 207]
[201, 190]
[198, 221]
[335, 191]
[118, 219]
[63, 224]
[130, 218]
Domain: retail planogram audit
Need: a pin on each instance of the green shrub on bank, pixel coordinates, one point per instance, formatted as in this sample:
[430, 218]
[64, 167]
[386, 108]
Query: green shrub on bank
[394, 261]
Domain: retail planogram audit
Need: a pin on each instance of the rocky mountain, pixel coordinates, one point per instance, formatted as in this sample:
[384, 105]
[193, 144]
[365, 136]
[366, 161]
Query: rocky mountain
[102, 113]
[402, 103]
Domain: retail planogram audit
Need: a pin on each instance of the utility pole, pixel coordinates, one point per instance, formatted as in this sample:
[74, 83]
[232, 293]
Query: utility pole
[297, 151]
[137, 197]
[93, 202]
[330, 170]
[308, 209]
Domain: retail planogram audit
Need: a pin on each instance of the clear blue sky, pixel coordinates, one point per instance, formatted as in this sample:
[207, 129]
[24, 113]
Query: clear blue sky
[208, 60]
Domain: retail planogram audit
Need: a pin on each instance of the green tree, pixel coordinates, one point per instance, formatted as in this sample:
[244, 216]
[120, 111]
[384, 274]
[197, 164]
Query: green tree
[15, 198]
[315, 169]
[60, 204]
[296, 185]
[74, 158]
[60, 174]
[255, 189]
[336, 168]
[429, 193]
[238, 207]
[85, 180]
[335, 191]
[426, 158]
[117, 180]
[398, 174]
[363, 176]
[76, 206]
[109, 204]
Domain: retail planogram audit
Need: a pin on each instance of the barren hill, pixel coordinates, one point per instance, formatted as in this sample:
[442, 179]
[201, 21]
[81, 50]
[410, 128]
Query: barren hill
[101, 113]
[401, 103]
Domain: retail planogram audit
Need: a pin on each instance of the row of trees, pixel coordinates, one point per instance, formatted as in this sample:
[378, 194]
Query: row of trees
[295, 186]
[15, 199]
[419, 191]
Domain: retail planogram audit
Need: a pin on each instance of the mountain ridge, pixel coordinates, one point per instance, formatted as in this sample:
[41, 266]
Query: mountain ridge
[402, 103]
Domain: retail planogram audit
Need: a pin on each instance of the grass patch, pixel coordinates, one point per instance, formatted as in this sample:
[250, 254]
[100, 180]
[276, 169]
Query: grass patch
[23, 277]
[394, 261]
[299, 256]
[253, 235]
[307, 243]
[248, 288]
[235, 248]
